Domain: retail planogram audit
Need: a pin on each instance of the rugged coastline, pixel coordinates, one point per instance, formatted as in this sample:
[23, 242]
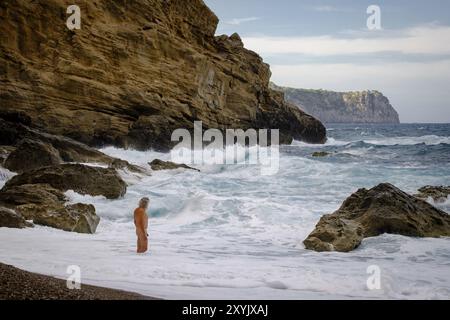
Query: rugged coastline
[134, 73]
[129, 80]
[342, 107]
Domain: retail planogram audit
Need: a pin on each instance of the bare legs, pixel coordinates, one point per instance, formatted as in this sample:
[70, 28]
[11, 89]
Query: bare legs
[142, 244]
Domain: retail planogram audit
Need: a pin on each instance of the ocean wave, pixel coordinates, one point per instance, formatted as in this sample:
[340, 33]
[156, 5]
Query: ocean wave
[5, 175]
[330, 142]
[442, 204]
[233, 219]
[427, 140]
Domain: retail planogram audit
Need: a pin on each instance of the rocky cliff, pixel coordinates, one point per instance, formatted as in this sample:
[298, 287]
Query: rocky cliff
[342, 107]
[134, 72]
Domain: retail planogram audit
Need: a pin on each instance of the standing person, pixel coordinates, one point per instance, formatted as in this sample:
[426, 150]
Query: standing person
[141, 223]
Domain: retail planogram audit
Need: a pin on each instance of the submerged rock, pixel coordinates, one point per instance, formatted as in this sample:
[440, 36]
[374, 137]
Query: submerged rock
[321, 154]
[438, 194]
[10, 219]
[369, 213]
[83, 179]
[46, 206]
[30, 154]
[158, 165]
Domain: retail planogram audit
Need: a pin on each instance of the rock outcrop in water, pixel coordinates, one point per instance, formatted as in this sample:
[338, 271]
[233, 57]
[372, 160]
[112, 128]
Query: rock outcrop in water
[80, 178]
[10, 219]
[31, 154]
[369, 213]
[158, 165]
[134, 72]
[13, 133]
[342, 107]
[44, 174]
[47, 206]
[438, 194]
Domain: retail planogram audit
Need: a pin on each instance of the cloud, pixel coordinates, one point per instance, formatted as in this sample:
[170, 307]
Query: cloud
[427, 39]
[239, 21]
[327, 8]
[411, 65]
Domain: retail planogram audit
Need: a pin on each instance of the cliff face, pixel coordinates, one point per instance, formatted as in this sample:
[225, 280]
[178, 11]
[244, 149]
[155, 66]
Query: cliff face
[134, 72]
[342, 107]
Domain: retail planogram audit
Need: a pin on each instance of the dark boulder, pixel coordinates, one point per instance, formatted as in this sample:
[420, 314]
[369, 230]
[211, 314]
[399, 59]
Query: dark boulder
[10, 219]
[13, 133]
[83, 179]
[369, 213]
[31, 154]
[158, 165]
[42, 194]
[47, 206]
[80, 218]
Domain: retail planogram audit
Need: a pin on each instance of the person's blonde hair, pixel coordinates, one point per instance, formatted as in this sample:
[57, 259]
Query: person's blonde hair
[144, 202]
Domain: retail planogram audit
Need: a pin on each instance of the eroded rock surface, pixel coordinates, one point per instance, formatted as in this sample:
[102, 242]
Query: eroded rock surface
[136, 71]
[158, 165]
[10, 219]
[14, 128]
[47, 206]
[369, 213]
[32, 154]
[342, 107]
[437, 193]
[94, 181]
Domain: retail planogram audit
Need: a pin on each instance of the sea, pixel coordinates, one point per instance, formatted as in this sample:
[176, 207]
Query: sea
[229, 232]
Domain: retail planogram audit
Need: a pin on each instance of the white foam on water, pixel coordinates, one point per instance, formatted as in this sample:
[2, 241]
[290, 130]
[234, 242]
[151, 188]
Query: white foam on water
[330, 142]
[229, 232]
[5, 175]
[428, 140]
[383, 141]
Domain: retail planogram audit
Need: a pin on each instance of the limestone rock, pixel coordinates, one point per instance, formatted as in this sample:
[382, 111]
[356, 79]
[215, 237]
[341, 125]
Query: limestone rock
[13, 131]
[41, 194]
[31, 154]
[342, 107]
[438, 194]
[157, 165]
[46, 206]
[135, 72]
[10, 219]
[80, 218]
[83, 179]
[369, 213]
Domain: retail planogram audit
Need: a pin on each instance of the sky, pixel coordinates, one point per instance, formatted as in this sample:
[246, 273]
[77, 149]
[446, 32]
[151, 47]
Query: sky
[327, 45]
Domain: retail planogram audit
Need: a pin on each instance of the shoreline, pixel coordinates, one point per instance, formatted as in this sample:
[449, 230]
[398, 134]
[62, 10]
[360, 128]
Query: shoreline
[17, 284]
